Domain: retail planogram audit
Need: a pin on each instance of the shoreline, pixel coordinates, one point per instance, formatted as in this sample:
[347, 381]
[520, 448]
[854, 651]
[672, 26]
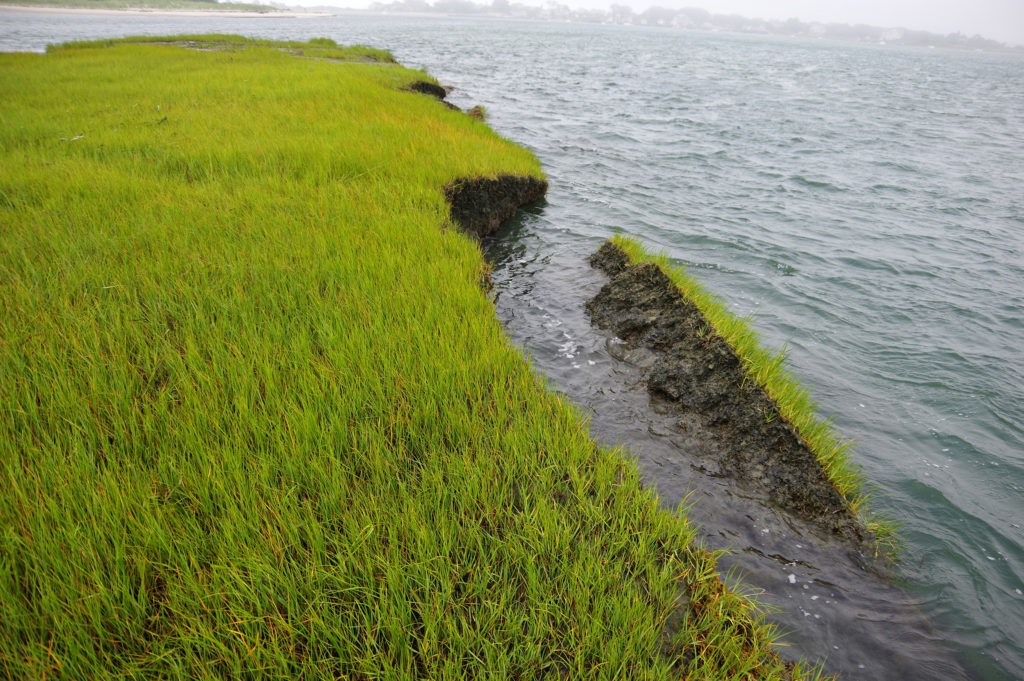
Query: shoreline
[271, 13]
[797, 564]
[295, 417]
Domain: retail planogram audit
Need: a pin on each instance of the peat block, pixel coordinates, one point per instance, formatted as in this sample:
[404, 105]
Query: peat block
[702, 380]
[428, 88]
[479, 205]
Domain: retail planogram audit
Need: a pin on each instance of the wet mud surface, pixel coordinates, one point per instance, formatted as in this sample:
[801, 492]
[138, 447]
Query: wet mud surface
[724, 419]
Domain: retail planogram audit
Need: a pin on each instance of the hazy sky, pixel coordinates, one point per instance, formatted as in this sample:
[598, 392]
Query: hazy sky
[1001, 20]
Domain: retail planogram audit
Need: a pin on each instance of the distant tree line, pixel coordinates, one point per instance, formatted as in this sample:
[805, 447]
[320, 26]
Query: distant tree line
[697, 19]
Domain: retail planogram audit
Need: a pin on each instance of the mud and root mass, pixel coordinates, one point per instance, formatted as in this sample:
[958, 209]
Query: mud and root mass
[479, 205]
[723, 415]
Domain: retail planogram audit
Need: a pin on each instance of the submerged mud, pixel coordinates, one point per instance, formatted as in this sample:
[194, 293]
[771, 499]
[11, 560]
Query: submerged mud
[480, 204]
[724, 419]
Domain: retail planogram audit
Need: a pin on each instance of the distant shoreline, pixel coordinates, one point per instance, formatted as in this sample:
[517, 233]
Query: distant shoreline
[159, 11]
[874, 36]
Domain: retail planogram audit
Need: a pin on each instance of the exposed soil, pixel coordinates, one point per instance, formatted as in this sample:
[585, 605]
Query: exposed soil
[427, 88]
[479, 205]
[722, 416]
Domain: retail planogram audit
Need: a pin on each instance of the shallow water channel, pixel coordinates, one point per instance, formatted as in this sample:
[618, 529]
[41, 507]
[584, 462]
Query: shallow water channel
[826, 598]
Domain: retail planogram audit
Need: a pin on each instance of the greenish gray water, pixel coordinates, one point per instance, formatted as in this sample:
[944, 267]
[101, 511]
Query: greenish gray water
[862, 202]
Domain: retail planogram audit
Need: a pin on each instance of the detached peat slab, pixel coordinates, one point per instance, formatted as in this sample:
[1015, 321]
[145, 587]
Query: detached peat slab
[724, 414]
[438, 92]
[480, 204]
[425, 87]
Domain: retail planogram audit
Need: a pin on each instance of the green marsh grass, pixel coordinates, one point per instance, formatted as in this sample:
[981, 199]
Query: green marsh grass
[259, 420]
[793, 401]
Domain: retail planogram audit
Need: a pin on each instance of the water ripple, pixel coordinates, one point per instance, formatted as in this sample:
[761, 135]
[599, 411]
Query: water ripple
[864, 201]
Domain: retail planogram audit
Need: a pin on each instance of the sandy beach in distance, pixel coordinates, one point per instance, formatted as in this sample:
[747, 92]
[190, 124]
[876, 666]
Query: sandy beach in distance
[270, 12]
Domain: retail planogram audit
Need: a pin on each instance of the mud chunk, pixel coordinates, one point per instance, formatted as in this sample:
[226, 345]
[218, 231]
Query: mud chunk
[479, 205]
[610, 259]
[427, 88]
[728, 417]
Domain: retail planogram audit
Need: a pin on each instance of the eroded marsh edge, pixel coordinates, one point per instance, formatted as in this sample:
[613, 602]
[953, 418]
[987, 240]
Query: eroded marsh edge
[250, 386]
[723, 411]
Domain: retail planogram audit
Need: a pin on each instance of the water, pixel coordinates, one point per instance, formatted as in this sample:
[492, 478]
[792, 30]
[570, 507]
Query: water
[863, 203]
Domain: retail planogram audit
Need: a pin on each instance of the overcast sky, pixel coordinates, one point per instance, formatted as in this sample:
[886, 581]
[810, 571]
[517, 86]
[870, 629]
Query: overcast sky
[1001, 20]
